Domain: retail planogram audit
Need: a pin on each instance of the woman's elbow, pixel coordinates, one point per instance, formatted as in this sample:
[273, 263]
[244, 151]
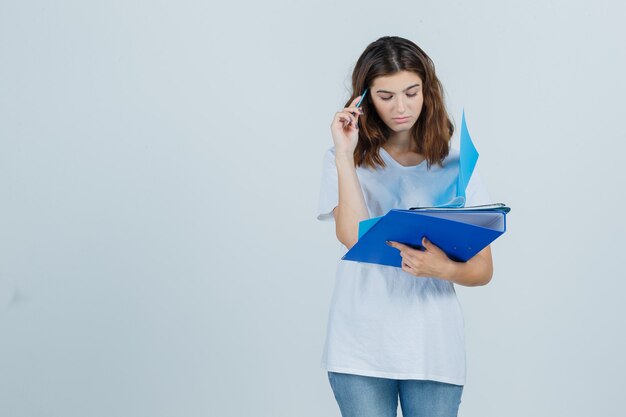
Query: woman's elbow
[484, 267]
[348, 242]
[486, 277]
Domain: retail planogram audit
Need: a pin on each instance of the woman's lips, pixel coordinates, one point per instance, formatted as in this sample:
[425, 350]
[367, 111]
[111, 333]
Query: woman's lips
[401, 119]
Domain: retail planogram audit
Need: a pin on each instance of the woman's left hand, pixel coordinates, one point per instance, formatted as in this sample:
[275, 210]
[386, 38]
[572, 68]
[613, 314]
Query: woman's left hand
[432, 262]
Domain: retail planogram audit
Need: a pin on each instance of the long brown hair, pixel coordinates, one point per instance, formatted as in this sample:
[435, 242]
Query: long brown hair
[432, 130]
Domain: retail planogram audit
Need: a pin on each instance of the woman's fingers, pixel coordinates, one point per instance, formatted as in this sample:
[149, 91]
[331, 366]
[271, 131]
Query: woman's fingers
[344, 118]
[407, 268]
[347, 118]
[410, 257]
[400, 246]
[354, 111]
[349, 115]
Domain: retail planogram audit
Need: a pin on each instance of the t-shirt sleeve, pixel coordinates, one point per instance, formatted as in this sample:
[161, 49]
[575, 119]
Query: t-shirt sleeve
[329, 190]
[476, 193]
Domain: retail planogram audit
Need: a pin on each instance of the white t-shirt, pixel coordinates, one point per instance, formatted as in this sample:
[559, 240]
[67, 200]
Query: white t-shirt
[383, 321]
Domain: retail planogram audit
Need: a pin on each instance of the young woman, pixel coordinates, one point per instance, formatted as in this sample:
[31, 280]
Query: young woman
[396, 333]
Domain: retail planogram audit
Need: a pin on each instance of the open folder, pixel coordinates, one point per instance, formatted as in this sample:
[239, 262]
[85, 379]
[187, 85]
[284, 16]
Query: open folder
[460, 232]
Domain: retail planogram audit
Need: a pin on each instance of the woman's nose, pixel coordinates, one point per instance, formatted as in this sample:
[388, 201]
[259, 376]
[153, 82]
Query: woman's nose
[401, 105]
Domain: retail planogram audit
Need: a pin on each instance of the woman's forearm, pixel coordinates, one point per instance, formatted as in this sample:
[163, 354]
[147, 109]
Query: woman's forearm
[351, 208]
[476, 271]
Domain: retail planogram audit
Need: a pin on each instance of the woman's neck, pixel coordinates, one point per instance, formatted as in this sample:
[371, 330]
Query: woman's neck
[400, 143]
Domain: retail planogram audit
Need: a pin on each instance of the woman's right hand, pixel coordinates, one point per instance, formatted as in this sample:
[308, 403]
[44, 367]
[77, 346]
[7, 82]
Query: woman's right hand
[345, 130]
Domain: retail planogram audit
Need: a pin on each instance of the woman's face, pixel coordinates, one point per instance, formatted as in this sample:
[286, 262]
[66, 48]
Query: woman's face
[398, 99]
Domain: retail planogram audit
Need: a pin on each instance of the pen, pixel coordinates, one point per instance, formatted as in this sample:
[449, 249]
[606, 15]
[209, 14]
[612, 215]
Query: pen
[362, 97]
[360, 101]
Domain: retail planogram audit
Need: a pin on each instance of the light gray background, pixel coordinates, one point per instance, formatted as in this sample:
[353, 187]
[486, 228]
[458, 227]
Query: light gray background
[160, 165]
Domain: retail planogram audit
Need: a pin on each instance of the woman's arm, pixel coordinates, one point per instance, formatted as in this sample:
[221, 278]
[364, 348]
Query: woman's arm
[351, 208]
[433, 262]
[476, 271]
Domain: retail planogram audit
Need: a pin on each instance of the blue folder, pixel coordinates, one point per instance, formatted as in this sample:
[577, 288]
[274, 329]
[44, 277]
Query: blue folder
[460, 232]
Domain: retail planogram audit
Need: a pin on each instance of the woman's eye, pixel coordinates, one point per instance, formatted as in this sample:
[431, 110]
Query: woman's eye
[389, 98]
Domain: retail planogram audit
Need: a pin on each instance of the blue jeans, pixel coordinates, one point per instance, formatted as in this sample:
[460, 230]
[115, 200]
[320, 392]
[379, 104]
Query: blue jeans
[366, 396]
